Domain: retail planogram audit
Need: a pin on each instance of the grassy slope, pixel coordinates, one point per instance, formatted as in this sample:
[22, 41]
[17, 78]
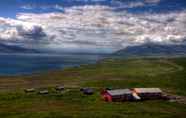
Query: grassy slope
[168, 74]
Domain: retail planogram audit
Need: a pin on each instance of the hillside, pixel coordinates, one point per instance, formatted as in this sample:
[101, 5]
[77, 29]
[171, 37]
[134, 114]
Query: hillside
[168, 74]
[15, 49]
[152, 50]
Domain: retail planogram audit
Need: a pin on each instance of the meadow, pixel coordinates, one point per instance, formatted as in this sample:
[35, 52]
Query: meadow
[167, 74]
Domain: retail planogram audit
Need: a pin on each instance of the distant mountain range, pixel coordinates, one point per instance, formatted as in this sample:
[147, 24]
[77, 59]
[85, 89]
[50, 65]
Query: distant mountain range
[152, 50]
[141, 50]
[4, 48]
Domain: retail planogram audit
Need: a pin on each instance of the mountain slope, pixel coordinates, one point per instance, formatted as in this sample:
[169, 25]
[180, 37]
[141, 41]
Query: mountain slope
[4, 48]
[153, 50]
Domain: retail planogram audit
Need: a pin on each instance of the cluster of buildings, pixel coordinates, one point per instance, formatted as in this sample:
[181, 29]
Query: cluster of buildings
[133, 94]
[116, 95]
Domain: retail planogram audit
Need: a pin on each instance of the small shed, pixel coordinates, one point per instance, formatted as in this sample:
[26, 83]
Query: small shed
[59, 88]
[117, 95]
[148, 93]
[29, 90]
[43, 92]
[87, 91]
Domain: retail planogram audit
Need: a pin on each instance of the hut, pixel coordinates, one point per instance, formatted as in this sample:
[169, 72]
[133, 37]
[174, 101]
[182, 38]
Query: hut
[87, 91]
[117, 95]
[43, 92]
[148, 93]
[30, 90]
[59, 88]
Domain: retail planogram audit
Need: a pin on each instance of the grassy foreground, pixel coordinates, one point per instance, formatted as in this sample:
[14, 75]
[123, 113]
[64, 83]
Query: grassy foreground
[168, 74]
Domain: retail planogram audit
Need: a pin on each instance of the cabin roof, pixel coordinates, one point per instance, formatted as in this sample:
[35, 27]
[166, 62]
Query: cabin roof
[147, 90]
[119, 92]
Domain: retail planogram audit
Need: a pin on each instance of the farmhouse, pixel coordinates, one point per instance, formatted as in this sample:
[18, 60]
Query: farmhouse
[117, 95]
[148, 93]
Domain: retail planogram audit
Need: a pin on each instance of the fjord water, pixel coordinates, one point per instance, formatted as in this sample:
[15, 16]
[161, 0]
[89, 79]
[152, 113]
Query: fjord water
[20, 64]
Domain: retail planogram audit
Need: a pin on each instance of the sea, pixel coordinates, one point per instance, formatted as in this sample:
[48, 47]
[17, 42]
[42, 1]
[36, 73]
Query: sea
[25, 64]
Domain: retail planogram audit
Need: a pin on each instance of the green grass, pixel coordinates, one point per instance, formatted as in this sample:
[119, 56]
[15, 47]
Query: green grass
[168, 74]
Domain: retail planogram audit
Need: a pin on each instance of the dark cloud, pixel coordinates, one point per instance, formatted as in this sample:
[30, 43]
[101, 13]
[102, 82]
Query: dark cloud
[35, 33]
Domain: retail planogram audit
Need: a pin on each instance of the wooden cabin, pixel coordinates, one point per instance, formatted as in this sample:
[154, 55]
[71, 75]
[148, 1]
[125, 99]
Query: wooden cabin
[148, 93]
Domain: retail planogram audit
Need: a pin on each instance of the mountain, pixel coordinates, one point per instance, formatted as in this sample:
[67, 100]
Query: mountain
[152, 50]
[4, 48]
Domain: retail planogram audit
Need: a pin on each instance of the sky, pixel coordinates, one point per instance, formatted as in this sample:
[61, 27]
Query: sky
[94, 26]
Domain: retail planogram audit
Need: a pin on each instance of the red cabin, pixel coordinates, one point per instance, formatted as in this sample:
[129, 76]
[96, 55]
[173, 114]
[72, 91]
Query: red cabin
[117, 95]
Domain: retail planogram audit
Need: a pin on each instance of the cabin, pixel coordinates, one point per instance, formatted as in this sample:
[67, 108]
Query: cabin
[59, 88]
[29, 90]
[87, 91]
[117, 95]
[148, 93]
[43, 92]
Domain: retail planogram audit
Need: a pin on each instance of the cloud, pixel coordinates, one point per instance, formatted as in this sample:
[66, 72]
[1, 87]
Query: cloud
[152, 1]
[116, 3]
[42, 7]
[128, 5]
[36, 33]
[16, 30]
[96, 28]
[124, 4]
[27, 7]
